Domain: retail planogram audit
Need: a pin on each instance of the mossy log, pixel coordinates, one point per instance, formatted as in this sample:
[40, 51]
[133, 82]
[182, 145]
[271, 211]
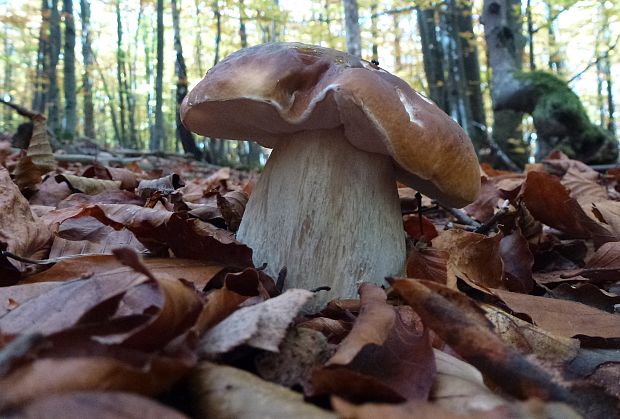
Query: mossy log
[559, 117]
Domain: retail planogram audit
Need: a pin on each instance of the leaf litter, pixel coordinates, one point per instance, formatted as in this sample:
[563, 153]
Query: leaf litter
[144, 301]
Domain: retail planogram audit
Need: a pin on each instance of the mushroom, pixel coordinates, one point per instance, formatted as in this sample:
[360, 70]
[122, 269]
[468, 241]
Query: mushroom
[342, 131]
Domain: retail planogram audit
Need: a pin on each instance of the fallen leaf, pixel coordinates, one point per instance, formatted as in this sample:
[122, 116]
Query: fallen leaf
[88, 186]
[559, 210]
[22, 232]
[563, 318]
[164, 185]
[473, 257]
[222, 392]
[518, 261]
[387, 356]
[302, 352]
[416, 232]
[461, 324]
[428, 263]
[95, 405]
[127, 178]
[260, 326]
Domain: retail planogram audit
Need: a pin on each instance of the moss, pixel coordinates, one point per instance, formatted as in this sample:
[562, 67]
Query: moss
[562, 122]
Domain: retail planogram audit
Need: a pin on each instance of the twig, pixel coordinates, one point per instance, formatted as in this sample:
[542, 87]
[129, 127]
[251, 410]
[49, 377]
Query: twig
[490, 223]
[20, 109]
[461, 216]
[596, 60]
[4, 253]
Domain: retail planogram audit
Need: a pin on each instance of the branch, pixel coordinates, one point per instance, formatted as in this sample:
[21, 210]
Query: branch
[20, 109]
[596, 60]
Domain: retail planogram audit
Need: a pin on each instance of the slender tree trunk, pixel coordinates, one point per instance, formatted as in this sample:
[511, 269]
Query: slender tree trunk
[397, 38]
[120, 73]
[243, 36]
[69, 83]
[374, 33]
[198, 52]
[352, 27]
[183, 134]
[218, 31]
[432, 56]
[502, 31]
[53, 120]
[130, 85]
[158, 133]
[9, 50]
[555, 56]
[43, 55]
[87, 82]
[108, 93]
[471, 76]
[148, 73]
[530, 34]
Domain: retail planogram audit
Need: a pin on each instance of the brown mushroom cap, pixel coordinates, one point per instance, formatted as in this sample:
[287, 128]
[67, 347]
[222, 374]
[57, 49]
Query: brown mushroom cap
[266, 92]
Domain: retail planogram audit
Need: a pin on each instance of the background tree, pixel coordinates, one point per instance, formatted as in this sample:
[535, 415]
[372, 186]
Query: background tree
[183, 134]
[69, 82]
[88, 109]
[157, 139]
[351, 16]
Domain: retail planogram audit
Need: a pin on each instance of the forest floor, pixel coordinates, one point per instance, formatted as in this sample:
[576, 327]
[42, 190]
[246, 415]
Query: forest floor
[123, 293]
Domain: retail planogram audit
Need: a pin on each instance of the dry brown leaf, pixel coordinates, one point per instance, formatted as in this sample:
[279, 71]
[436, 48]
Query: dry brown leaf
[88, 186]
[559, 210]
[50, 192]
[27, 175]
[160, 230]
[302, 351]
[222, 392]
[563, 318]
[472, 257]
[518, 262]
[94, 405]
[260, 326]
[460, 387]
[428, 263]
[40, 150]
[144, 374]
[232, 206]
[127, 178]
[461, 324]
[608, 212]
[387, 356]
[21, 231]
[164, 185]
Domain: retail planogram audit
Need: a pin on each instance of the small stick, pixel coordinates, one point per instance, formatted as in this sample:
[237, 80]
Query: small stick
[490, 223]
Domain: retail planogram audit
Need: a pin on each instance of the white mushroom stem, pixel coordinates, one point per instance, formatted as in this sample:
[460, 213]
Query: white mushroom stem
[327, 211]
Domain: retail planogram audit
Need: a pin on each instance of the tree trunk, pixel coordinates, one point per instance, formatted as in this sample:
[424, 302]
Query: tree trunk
[69, 84]
[471, 66]
[120, 73]
[530, 34]
[243, 36]
[352, 27]
[432, 56]
[183, 134]
[158, 132]
[9, 51]
[53, 120]
[397, 38]
[555, 55]
[218, 31]
[504, 50]
[39, 98]
[374, 33]
[87, 82]
[198, 41]
[108, 93]
[130, 86]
